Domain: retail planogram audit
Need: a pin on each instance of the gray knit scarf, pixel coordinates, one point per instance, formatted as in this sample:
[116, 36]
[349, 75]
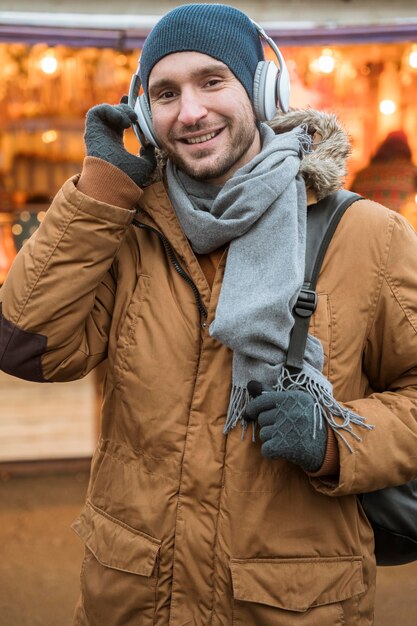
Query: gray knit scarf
[261, 210]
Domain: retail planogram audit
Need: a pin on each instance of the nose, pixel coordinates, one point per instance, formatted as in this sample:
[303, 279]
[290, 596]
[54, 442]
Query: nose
[192, 109]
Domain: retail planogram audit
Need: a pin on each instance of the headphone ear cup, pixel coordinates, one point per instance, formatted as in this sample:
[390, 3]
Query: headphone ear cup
[257, 100]
[283, 88]
[265, 90]
[144, 114]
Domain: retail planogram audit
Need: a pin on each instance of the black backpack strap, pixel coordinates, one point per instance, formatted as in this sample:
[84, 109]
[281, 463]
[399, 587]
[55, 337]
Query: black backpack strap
[322, 220]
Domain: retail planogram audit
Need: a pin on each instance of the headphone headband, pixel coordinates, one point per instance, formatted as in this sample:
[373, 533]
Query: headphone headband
[283, 88]
[277, 80]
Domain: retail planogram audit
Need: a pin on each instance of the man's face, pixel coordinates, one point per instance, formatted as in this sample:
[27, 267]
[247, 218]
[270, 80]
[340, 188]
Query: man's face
[202, 116]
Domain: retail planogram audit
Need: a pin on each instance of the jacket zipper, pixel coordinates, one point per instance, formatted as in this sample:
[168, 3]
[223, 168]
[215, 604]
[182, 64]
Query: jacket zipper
[177, 266]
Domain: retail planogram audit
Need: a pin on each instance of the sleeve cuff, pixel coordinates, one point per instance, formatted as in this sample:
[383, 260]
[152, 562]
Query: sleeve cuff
[331, 463]
[107, 183]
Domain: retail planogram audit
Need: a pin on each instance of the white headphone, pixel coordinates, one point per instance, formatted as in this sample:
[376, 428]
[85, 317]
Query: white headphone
[271, 89]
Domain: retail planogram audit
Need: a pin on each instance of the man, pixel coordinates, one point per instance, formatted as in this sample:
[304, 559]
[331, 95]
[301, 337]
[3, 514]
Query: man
[186, 520]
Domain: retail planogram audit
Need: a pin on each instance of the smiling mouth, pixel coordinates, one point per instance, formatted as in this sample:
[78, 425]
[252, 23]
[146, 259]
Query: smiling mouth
[201, 138]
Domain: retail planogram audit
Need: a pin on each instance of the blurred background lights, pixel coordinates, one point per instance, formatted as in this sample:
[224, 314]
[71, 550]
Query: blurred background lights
[412, 59]
[25, 224]
[49, 63]
[121, 59]
[325, 63]
[49, 136]
[387, 107]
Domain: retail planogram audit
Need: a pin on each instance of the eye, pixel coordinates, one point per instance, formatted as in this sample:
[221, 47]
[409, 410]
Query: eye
[166, 95]
[213, 82]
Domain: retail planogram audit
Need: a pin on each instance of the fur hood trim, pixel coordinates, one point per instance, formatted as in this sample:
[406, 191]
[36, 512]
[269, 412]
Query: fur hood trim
[324, 169]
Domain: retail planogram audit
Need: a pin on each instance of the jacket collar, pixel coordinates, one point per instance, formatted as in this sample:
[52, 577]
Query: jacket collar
[155, 210]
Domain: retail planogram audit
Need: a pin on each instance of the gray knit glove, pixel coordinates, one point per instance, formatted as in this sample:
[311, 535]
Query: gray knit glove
[286, 419]
[103, 137]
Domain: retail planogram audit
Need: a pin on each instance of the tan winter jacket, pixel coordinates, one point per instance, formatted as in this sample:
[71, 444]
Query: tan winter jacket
[182, 525]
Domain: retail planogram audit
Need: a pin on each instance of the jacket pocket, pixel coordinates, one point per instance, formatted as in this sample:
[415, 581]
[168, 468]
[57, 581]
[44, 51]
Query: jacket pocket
[119, 572]
[296, 592]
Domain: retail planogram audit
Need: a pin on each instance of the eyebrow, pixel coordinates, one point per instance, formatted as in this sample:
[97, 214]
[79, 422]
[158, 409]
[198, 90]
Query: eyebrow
[214, 68]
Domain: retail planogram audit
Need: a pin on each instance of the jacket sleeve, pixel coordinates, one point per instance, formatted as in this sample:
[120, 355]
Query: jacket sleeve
[387, 455]
[56, 304]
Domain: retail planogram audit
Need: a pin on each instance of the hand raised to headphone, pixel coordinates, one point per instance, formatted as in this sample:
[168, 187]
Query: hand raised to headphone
[103, 138]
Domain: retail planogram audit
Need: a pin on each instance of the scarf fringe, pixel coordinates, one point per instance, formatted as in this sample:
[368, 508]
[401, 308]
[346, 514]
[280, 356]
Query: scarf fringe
[239, 399]
[305, 139]
[339, 418]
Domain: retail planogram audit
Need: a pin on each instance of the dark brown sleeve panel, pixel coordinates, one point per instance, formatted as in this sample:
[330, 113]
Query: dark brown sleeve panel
[21, 351]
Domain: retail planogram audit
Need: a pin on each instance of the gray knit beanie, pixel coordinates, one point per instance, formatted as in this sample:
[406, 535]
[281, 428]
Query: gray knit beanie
[220, 31]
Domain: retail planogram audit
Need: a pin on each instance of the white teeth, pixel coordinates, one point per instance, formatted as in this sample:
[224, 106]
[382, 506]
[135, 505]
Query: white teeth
[201, 138]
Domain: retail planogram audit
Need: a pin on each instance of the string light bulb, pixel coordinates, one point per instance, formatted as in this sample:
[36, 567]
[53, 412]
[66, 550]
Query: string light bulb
[387, 107]
[49, 136]
[412, 58]
[49, 62]
[325, 63]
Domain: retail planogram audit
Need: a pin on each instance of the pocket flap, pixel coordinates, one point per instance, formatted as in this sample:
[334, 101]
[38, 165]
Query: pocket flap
[115, 544]
[297, 584]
